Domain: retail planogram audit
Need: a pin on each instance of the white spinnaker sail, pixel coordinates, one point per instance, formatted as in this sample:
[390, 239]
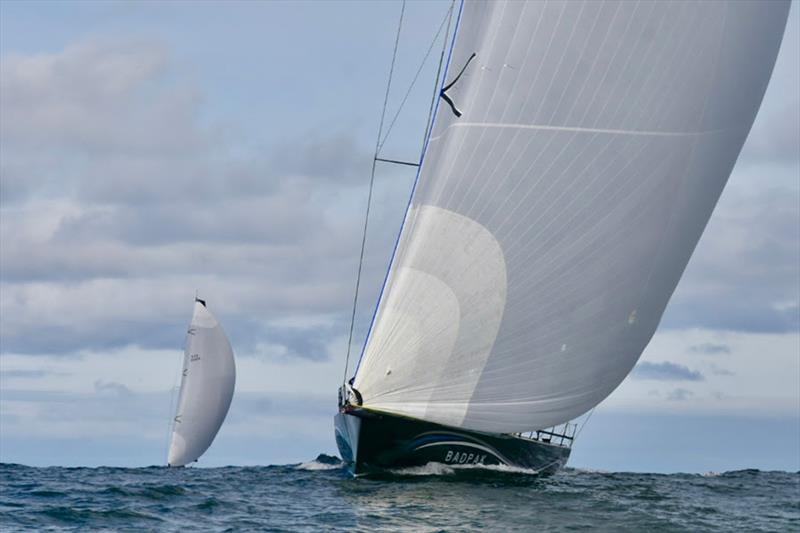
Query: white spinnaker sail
[209, 377]
[553, 219]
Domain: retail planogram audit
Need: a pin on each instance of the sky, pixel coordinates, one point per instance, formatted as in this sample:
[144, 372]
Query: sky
[149, 150]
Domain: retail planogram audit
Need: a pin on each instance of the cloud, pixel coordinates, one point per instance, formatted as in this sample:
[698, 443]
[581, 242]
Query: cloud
[90, 97]
[665, 371]
[250, 406]
[120, 197]
[745, 273]
[775, 137]
[111, 388]
[129, 201]
[719, 371]
[710, 348]
[114, 410]
[679, 395]
[303, 342]
[27, 374]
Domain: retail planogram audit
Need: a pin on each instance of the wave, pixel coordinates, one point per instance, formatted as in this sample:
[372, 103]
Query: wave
[330, 462]
[159, 492]
[451, 497]
[322, 462]
[430, 469]
[507, 469]
[586, 470]
[72, 516]
[743, 471]
[47, 494]
[316, 465]
[441, 469]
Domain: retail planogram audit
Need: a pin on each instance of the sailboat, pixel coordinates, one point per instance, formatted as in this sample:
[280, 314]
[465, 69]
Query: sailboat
[207, 383]
[576, 153]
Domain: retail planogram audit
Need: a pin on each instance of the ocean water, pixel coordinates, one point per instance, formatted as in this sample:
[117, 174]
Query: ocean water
[320, 496]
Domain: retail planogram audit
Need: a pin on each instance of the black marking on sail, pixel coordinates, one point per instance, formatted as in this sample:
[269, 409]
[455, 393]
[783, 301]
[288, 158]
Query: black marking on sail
[453, 107]
[443, 92]
[191, 331]
[198, 300]
[178, 418]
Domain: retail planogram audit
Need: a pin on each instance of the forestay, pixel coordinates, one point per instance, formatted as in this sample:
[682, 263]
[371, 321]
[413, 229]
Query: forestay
[209, 377]
[553, 219]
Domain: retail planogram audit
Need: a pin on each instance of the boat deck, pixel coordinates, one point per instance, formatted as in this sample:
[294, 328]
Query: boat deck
[562, 435]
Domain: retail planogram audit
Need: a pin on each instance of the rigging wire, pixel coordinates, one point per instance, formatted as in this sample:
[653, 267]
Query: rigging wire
[447, 18]
[371, 187]
[577, 434]
[425, 140]
[436, 90]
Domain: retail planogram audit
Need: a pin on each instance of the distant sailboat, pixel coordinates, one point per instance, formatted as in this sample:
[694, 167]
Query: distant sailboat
[574, 159]
[207, 383]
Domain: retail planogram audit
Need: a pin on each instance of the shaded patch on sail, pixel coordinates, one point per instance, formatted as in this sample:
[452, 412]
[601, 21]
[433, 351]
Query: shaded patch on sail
[437, 326]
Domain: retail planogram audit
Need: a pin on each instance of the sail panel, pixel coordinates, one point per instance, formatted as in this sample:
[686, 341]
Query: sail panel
[593, 141]
[207, 384]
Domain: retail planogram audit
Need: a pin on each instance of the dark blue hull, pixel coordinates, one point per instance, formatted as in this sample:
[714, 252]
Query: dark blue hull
[371, 441]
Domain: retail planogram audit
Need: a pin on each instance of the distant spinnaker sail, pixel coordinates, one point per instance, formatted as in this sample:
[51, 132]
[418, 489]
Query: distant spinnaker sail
[568, 178]
[209, 377]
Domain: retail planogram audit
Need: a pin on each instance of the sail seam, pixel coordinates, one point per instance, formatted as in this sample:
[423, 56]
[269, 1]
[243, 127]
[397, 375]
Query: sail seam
[577, 129]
